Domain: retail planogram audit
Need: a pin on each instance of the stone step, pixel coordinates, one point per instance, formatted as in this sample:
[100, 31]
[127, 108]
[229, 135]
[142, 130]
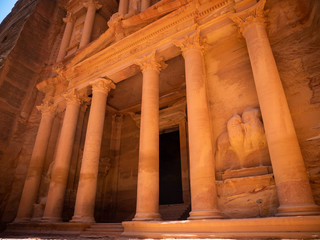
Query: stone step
[103, 230]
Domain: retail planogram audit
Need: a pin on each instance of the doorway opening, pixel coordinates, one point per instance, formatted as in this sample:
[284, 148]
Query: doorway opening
[170, 168]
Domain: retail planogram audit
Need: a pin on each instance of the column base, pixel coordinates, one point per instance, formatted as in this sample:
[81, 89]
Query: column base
[81, 219]
[298, 210]
[147, 217]
[51, 219]
[22, 220]
[36, 219]
[204, 214]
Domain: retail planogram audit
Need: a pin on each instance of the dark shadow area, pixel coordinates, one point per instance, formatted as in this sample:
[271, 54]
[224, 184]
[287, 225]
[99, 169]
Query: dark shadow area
[170, 169]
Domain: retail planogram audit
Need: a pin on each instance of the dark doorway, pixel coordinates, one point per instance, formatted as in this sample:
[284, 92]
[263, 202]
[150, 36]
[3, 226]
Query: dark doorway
[170, 169]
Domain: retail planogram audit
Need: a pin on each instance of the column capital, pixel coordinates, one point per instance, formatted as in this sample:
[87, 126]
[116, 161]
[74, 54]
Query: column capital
[48, 107]
[151, 62]
[69, 18]
[72, 97]
[95, 3]
[190, 42]
[102, 85]
[254, 14]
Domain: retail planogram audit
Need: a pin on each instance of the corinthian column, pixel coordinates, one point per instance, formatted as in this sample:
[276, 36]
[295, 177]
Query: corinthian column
[202, 167]
[92, 6]
[292, 182]
[59, 176]
[32, 183]
[148, 172]
[87, 188]
[69, 20]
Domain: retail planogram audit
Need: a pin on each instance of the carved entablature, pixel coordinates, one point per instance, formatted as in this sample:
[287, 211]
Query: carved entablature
[92, 63]
[102, 85]
[151, 62]
[190, 43]
[254, 14]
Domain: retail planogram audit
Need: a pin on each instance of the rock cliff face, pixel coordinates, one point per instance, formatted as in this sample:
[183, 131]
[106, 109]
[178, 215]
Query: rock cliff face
[298, 57]
[28, 35]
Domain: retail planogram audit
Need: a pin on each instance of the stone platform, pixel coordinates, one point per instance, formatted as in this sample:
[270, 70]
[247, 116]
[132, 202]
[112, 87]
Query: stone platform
[39, 228]
[302, 227]
[273, 227]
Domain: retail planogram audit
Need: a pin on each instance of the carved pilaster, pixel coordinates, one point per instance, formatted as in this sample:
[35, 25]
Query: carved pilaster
[95, 3]
[254, 14]
[151, 62]
[190, 43]
[69, 18]
[102, 85]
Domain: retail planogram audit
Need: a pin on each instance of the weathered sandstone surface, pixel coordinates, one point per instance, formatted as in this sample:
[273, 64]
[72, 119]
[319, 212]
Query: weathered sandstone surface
[28, 36]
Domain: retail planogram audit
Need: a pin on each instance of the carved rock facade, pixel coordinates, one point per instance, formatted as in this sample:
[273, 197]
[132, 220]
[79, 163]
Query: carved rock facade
[87, 88]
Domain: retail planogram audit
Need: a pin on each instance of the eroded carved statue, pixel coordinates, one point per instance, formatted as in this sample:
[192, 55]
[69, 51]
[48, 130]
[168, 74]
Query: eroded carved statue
[244, 144]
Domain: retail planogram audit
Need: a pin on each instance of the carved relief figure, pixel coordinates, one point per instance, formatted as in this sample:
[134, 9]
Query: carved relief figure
[244, 144]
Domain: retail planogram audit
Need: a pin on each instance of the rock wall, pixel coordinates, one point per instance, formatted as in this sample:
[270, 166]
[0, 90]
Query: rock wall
[298, 58]
[28, 36]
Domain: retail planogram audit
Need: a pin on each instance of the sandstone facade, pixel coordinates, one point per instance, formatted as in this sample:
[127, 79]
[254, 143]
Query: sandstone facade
[87, 87]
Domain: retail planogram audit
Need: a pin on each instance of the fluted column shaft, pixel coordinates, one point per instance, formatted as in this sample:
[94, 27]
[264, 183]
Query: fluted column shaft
[293, 188]
[148, 172]
[86, 194]
[123, 7]
[145, 4]
[69, 20]
[59, 176]
[91, 6]
[32, 182]
[202, 167]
